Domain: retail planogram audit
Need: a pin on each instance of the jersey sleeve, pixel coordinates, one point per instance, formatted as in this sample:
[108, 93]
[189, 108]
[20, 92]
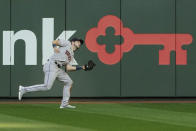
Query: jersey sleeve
[63, 43]
[73, 62]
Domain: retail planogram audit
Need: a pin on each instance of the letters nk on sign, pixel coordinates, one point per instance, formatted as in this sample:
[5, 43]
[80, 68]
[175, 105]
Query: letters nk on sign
[30, 39]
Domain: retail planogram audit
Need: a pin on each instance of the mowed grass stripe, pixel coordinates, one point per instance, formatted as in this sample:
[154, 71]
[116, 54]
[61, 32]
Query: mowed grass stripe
[143, 113]
[100, 116]
[177, 107]
[22, 125]
[18, 123]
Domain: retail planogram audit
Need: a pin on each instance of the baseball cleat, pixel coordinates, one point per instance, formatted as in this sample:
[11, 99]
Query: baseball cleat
[20, 93]
[67, 106]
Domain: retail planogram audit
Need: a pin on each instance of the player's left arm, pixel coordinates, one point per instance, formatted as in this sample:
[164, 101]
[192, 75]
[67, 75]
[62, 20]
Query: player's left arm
[87, 67]
[74, 68]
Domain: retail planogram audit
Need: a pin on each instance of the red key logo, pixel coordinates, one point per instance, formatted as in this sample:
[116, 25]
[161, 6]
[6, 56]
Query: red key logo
[170, 42]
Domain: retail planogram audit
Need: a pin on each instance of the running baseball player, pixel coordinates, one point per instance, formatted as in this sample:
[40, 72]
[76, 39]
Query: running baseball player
[57, 67]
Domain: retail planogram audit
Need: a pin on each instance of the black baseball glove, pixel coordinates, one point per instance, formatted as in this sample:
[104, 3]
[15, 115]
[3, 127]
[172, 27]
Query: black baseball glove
[89, 66]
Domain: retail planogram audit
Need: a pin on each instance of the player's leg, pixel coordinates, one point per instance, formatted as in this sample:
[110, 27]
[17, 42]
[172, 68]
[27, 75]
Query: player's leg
[64, 77]
[50, 76]
[48, 82]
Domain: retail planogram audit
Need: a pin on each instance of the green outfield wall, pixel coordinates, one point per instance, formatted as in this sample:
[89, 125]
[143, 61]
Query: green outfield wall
[161, 64]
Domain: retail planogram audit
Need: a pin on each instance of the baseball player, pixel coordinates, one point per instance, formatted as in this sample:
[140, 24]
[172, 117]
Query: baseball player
[57, 67]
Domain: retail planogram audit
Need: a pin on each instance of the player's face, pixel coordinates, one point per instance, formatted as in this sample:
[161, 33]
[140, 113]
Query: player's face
[77, 44]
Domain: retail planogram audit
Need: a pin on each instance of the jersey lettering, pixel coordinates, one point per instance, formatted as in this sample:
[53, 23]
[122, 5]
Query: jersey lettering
[68, 55]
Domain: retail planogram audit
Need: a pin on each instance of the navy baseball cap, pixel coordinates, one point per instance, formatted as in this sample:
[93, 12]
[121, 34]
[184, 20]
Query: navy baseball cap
[77, 39]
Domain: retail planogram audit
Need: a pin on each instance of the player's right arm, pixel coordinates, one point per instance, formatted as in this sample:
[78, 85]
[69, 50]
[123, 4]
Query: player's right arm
[55, 43]
[60, 42]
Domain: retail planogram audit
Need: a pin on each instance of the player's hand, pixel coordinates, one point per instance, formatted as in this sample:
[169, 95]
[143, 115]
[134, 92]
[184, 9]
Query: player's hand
[83, 67]
[89, 66]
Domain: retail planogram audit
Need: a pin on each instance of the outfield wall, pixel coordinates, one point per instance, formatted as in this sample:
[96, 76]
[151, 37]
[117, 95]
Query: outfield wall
[27, 28]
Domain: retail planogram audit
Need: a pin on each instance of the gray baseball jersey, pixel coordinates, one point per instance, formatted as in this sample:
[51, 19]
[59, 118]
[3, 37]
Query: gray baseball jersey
[65, 55]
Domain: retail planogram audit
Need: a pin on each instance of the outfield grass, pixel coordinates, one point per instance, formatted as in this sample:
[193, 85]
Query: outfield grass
[100, 117]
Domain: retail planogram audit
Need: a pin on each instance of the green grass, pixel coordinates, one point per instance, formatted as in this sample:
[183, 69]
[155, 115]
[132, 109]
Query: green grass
[99, 117]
